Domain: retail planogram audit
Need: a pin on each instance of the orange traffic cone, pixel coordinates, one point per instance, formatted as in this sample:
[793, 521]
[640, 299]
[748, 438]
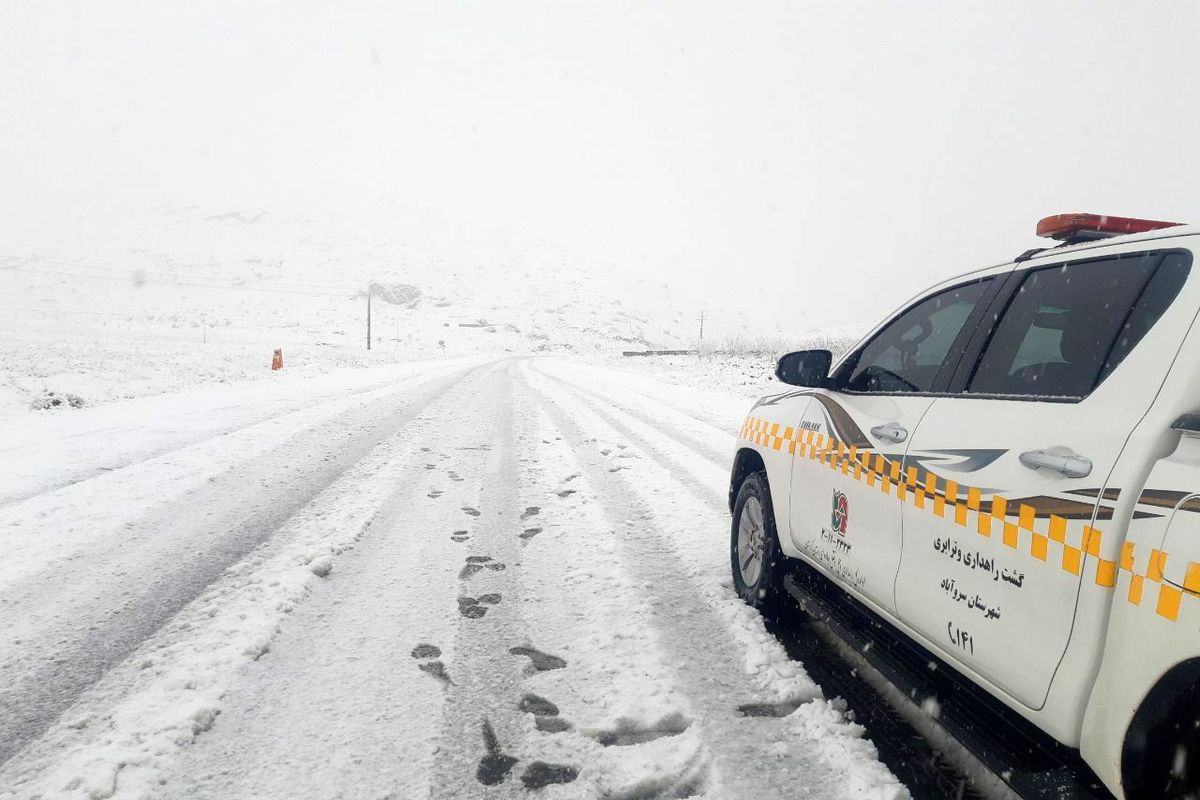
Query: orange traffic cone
[277, 360]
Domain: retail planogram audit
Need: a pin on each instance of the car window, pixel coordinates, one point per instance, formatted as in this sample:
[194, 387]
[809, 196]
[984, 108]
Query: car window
[1158, 295]
[1068, 326]
[908, 354]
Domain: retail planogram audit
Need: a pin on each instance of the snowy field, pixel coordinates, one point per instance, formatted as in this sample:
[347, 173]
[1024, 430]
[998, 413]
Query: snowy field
[462, 577]
[184, 297]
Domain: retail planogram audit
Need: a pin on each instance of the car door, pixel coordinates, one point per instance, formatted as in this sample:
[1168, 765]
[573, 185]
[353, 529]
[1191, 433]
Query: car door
[1013, 464]
[848, 469]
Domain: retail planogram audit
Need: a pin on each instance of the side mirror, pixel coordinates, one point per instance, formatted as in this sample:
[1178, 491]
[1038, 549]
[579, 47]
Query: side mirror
[1188, 425]
[804, 367]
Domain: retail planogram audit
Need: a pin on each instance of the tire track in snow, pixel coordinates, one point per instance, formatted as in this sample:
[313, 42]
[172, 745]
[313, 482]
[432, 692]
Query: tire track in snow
[357, 680]
[683, 426]
[118, 734]
[83, 514]
[49, 660]
[486, 675]
[670, 453]
[689, 405]
[908, 748]
[697, 616]
[177, 442]
[617, 709]
[682, 639]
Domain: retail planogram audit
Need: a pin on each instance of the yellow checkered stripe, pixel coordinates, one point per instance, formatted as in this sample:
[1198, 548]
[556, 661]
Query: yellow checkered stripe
[1013, 523]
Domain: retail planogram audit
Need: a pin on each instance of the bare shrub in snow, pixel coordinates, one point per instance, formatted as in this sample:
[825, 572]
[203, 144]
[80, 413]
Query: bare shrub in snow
[51, 399]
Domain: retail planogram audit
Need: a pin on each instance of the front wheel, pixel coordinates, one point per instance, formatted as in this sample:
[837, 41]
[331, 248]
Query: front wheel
[1162, 753]
[756, 560]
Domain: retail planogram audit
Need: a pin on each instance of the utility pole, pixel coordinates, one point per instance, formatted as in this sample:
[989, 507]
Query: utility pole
[370, 291]
[204, 328]
[702, 325]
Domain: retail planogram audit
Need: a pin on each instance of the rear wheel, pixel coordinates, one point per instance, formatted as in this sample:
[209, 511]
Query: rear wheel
[755, 557]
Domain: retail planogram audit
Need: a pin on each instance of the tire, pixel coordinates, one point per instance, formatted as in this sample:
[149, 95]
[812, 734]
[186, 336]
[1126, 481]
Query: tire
[1180, 780]
[757, 563]
[1162, 759]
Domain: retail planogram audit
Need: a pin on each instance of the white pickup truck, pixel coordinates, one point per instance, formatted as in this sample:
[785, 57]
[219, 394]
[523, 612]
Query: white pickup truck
[1007, 470]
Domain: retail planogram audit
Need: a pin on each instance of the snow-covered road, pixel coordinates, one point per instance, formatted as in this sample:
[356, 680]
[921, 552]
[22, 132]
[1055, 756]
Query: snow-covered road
[457, 579]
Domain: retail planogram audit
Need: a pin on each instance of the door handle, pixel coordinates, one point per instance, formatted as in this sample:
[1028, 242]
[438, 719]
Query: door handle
[1072, 466]
[890, 432]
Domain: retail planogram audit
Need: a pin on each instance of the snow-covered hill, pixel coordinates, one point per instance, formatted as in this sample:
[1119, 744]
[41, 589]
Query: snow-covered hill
[188, 294]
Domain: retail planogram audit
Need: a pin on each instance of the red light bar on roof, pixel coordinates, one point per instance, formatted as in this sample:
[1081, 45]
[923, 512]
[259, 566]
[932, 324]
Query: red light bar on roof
[1079, 227]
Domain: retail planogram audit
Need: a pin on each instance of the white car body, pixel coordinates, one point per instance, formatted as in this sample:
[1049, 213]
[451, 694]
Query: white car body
[1070, 599]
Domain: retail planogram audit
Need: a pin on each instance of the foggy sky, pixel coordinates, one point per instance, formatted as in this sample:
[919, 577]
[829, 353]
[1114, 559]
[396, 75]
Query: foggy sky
[812, 162]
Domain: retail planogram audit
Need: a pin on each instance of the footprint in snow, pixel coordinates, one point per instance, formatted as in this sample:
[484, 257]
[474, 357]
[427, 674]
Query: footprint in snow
[435, 668]
[551, 724]
[478, 564]
[435, 493]
[571, 477]
[470, 608]
[460, 536]
[627, 732]
[566, 493]
[430, 466]
[540, 661]
[545, 714]
[495, 765]
[531, 511]
[474, 608]
[529, 533]
[781, 709]
[474, 512]
[538, 706]
[540, 774]
[454, 476]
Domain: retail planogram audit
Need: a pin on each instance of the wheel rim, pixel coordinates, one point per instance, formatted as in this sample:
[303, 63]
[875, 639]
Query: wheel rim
[751, 542]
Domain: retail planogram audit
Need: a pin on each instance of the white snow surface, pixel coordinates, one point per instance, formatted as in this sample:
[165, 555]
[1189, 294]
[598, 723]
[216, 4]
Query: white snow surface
[221, 593]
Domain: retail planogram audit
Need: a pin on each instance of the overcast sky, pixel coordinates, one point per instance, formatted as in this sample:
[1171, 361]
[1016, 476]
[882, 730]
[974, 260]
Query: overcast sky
[816, 162]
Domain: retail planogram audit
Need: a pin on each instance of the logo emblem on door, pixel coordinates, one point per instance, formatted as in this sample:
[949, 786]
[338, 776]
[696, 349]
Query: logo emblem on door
[841, 513]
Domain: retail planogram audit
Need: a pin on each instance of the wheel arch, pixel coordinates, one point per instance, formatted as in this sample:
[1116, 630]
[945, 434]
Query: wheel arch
[1174, 700]
[746, 462]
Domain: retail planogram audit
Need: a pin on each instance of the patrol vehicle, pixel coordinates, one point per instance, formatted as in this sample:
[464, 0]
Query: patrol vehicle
[1007, 470]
